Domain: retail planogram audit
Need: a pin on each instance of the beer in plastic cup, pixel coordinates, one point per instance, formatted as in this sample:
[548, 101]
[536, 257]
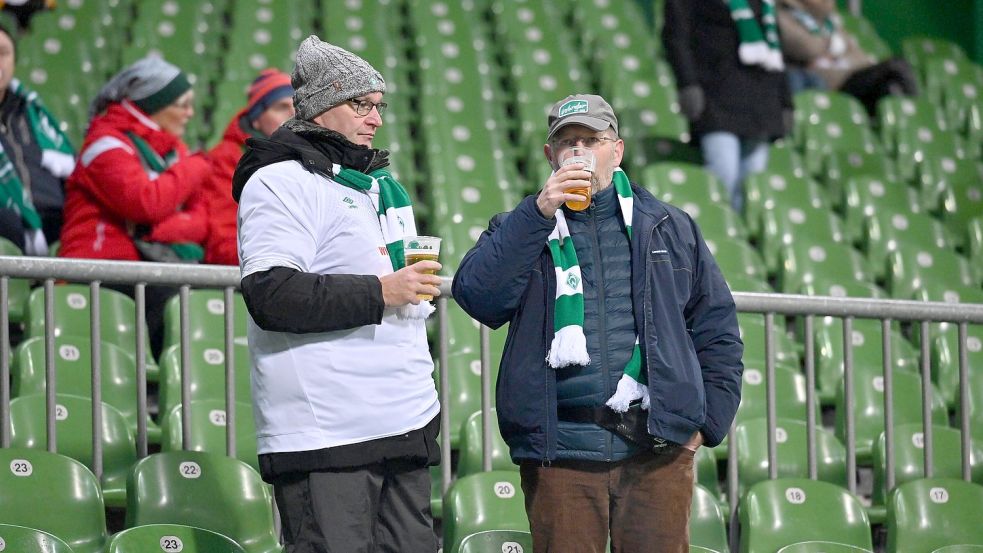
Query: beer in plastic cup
[422, 248]
[579, 154]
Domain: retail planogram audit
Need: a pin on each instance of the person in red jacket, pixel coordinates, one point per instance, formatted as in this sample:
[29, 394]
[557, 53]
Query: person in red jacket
[136, 192]
[270, 104]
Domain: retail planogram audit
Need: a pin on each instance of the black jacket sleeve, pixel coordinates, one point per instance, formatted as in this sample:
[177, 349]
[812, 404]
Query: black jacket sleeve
[287, 300]
[677, 39]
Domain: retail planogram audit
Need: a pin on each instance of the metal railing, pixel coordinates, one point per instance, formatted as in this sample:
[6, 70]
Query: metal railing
[769, 305]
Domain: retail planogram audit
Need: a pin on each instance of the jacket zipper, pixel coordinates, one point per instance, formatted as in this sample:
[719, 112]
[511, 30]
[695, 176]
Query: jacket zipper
[550, 294]
[601, 317]
[648, 294]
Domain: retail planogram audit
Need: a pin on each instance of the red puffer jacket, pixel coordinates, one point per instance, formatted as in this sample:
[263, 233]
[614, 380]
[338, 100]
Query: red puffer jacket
[222, 247]
[110, 190]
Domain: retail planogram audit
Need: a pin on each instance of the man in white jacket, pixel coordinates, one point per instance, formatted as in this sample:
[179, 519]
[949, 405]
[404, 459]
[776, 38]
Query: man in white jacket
[345, 404]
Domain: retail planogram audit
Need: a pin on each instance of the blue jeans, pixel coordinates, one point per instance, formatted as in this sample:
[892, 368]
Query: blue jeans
[732, 158]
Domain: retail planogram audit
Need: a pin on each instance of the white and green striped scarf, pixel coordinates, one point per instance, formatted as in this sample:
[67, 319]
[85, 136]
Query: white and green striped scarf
[395, 210]
[569, 345]
[758, 46]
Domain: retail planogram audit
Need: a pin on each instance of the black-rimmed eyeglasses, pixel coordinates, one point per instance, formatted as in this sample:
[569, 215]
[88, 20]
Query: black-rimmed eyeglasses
[363, 107]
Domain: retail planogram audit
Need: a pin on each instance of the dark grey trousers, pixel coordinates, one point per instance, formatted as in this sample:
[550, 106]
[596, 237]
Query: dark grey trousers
[379, 508]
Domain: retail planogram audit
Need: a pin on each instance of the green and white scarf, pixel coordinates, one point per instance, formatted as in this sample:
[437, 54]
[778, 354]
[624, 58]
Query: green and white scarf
[57, 156]
[395, 210]
[569, 345]
[758, 46]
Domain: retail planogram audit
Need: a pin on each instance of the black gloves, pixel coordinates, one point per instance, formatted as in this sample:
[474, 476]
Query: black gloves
[692, 102]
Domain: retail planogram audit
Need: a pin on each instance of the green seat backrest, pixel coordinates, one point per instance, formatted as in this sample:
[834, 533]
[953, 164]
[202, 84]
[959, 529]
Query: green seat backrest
[707, 526]
[908, 269]
[207, 373]
[480, 502]
[822, 547]
[206, 490]
[802, 262]
[167, 538]
[781, 512]
[753, 335]
[470, 454]
[208, 430]
[73, 415]
[930, 513]
[736, 258]
[790, 393]
[909, 457]
[28, 540]
[766, 190]
[706, 469]
[18, 288]
[791, 452]
[679, 182]
[886, 231]
[785, 225]
[497, 541]
[55, 494]
[962, 548]
[868, 196]
[945, 351]
[206, 317]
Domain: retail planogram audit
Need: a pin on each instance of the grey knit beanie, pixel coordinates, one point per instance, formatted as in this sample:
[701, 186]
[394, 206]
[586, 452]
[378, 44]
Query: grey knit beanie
[326, 75]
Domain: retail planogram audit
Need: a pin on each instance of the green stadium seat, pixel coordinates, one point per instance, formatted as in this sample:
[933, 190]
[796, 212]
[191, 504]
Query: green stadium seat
[71, 305]
[17, 288]
[207, 372]
[822, 547]
[28, 540]
[73, 370]
[706, 469]
[716, 221]
[932, 513]
[781, 512]
[745, 283]
[822, 285]
[766, 191]
[753, 335]
[783, 159]
[869, 408]
[898, 112]
[208, 430]
[786, 225]
[909, 269]
[919, 143]
[206, 490]
[790, 394]
[885, 232]
[974, 240]
[470, 452]
[482, 502]
[73, 417]
[679, 183]
[751, 438]
[707, 522]
[55, 494]
[802, 262]
[816, 107]
[206, 314]
[962, 548]
[865, 197]
[171, 537]
[918, 50]
[842, 166]
[945, 355]
[954, 187]
[496, 541]
[954, 83]
[737, 258]
[866, 35]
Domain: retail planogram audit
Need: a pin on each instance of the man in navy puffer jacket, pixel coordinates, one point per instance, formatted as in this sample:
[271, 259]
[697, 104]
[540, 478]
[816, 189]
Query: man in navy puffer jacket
[651, 297]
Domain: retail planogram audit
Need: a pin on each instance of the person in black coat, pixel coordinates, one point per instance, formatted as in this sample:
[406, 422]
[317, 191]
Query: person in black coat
[736, 105]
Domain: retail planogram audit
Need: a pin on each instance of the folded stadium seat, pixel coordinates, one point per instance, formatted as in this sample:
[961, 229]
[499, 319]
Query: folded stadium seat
[791, 453]
[494, 541]
[707, 522]
[801, 262]
[171, 537]
[716, 221]
[865, 196]
[206, 490]
[869, 408]
[908, 269]
[72, 315]
[744, 283]
[823, 139]
[611, 29]
[767, 190]
[208, 430]
[73, 372]
[17, 288]
[73, 417]
[55, 494]
[737, 257]
[917, 144]
[480, 503]
[955, 186]
[895, 113]
[29, 540]
[945, 354]
[786, 511]
[207, 372]
[815, 108]
[707, 475]
[919, 50]
[886, 231]
[752, 326]
[206, 318]
[822, 547]
[842, 166]
[956, 83]
[785, 160]
[932, 513]
[679, 183]
[471, 447]
[909, 458]
[867, 351]
[785, 225]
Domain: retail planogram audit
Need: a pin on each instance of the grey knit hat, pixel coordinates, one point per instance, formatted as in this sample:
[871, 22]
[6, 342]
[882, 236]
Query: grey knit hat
[326, 75]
